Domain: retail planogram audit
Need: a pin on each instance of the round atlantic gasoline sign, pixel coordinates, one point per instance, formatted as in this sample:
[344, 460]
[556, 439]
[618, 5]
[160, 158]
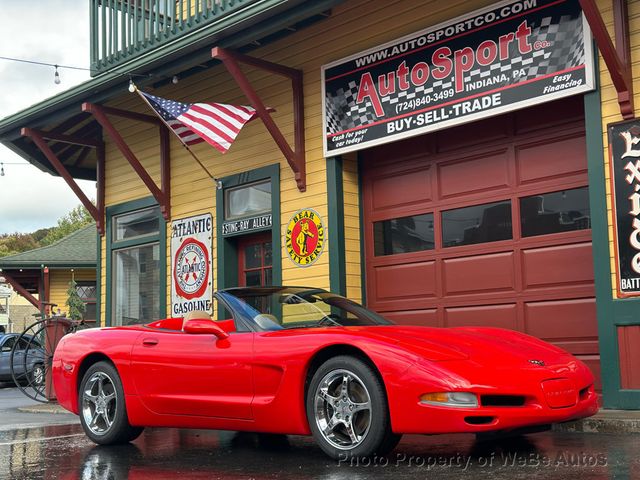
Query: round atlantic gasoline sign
[191, 269]
[305, 237]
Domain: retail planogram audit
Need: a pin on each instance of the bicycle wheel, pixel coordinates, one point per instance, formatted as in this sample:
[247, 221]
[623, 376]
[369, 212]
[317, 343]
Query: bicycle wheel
[32, 357]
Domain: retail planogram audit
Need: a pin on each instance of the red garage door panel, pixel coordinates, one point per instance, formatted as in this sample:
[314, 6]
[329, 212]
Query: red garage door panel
[428, 318]
[570, 265]
[570, 324]
[403, 281]
[473, 175]
[481, 273]
[502, 316]
[550, 159]
[531, 269]
[414, 185]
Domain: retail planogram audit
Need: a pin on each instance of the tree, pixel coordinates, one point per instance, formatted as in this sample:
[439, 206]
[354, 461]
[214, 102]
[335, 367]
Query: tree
[67, 224]
[74, 302]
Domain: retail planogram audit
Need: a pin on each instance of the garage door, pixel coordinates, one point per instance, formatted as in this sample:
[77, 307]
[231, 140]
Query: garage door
[486, 224]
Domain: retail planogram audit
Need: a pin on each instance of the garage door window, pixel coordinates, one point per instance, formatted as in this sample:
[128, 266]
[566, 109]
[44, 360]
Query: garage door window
[555, 212]
[403, 235]
[477, 224]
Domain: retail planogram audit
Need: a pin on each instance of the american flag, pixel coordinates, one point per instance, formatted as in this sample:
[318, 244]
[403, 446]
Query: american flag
[215, 123]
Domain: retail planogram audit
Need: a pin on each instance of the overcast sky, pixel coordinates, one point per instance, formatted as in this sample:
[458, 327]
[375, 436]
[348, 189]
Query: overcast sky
[51, 31]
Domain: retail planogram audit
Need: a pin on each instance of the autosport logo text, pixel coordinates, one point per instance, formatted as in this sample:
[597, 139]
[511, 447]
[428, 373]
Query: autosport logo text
[507, 56]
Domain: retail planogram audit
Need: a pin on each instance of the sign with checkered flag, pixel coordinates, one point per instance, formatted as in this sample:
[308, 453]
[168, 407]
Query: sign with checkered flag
[504, 57]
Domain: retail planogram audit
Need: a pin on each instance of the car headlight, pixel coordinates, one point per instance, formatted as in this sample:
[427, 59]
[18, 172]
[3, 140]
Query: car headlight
[450, 399]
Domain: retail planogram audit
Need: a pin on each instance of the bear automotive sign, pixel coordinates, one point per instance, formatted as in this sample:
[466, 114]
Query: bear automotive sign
[507, 56]
[191, 277]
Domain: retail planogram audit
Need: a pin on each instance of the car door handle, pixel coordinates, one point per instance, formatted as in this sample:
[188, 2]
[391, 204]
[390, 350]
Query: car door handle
[150, 342]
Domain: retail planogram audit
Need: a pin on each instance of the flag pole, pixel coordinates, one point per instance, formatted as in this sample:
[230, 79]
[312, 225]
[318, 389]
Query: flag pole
[216, 180]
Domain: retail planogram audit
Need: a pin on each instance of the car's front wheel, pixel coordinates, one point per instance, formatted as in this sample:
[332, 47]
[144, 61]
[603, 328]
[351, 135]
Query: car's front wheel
[103, 412]
[347, 410]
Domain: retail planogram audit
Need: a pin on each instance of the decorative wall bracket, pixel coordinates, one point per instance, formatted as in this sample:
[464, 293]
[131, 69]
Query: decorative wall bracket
[618, 57]
[40, 138]
[295, 157]
[162, 194]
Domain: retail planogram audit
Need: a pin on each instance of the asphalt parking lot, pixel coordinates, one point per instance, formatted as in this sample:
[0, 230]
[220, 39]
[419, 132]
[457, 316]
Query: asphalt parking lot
[63, 452]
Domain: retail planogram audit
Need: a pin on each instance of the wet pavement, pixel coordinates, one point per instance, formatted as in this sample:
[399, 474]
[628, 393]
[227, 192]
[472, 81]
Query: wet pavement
[63, 452]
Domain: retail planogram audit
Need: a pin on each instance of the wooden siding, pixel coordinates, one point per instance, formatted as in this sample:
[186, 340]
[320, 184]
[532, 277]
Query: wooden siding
[628, 340]
[59, 284]
[611, 109]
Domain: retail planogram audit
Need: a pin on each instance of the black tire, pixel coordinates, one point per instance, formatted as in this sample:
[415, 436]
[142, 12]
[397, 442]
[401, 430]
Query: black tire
[330, 410]
[102, 408]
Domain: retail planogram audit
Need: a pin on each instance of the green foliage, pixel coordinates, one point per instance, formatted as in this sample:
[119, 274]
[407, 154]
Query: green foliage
[12, 243]
[74, 302]
[69, 223]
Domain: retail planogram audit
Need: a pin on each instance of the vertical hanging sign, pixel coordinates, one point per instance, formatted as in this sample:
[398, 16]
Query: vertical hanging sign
[191, 275]
[624, 160]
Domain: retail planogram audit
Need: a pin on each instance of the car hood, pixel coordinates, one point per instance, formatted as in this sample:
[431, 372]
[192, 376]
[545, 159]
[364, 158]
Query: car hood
[478, 344]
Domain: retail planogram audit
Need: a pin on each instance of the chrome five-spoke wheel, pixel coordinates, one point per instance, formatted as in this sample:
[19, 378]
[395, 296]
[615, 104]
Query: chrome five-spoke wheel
[347, 409]
[103, 411]
[343, 409]
[99, 403]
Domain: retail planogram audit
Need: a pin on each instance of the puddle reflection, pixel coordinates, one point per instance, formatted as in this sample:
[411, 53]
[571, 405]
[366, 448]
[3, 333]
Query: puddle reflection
[64, 452]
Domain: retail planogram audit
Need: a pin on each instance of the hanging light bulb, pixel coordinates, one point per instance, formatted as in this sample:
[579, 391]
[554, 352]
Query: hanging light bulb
[132, 86]
[1, 169]
[56, 76]
[175, 79]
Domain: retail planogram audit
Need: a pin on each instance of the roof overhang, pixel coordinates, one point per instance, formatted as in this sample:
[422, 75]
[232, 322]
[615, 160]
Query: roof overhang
[185, 55]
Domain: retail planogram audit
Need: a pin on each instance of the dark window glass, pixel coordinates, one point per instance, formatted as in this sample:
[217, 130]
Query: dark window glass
[403, 235]
[136, 224]
[478, 224]
[247, 200]
[555, 212]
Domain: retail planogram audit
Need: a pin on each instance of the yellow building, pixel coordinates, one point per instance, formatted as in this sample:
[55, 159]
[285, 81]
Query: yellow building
[443, 162]
[46, 272]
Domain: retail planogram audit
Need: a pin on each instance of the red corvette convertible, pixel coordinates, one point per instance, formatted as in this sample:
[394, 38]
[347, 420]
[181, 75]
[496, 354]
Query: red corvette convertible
[295, 360]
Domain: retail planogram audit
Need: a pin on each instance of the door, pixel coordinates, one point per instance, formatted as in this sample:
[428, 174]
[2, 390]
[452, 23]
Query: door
[179, 373]
[487, 224]
[255, 261]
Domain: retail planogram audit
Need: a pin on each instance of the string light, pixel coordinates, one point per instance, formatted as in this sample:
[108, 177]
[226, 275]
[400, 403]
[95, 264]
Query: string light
[56, 76]
[132, 86]
[175, 80]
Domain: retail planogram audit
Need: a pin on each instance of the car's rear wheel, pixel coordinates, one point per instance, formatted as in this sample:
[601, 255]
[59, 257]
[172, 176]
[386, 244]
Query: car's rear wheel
[347, 410]
[103, 413]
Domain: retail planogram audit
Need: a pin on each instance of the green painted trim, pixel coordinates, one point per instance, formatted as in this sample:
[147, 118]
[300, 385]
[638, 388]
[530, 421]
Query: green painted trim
[98, 279]
[610, 312]
[335, 199]
[363, 270]
[227, 264]
[161, 238]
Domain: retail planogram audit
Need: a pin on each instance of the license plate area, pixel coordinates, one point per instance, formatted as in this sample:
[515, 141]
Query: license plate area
[560, 393]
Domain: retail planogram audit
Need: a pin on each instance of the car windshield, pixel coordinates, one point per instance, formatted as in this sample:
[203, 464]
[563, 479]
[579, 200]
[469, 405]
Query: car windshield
[288, 308]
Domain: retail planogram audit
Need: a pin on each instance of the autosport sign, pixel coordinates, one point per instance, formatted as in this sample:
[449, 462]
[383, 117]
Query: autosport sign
[504, 57]
[191, 278]
[624, 161]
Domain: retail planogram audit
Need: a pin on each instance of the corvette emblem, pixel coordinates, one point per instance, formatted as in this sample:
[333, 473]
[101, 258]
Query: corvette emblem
[539, 363]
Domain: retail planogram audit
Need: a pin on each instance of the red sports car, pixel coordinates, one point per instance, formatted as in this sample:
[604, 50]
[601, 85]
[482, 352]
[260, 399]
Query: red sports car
[296, 360]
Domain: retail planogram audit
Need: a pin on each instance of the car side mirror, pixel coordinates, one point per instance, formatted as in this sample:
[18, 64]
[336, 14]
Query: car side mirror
[204, 327]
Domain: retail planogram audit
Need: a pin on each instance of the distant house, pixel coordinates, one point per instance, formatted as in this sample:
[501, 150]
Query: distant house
[45, 272]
